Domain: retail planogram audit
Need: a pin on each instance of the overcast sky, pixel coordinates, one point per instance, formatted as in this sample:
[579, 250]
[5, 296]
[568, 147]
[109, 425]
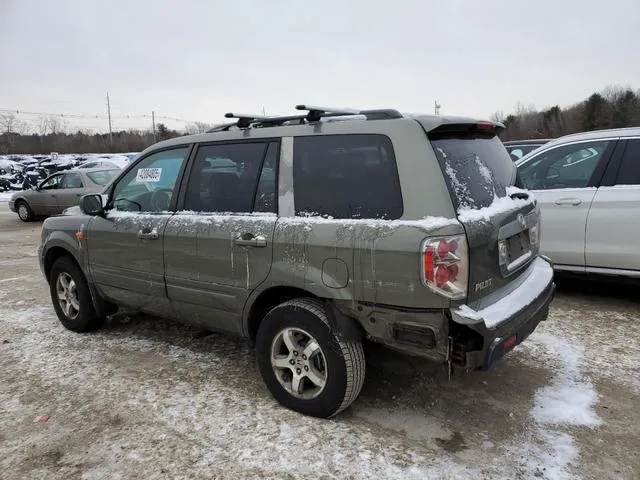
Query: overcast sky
[195, 60]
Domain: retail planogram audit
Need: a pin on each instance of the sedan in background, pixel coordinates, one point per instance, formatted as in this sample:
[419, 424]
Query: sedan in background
[588, 189]
[519, 148]
[59, 192]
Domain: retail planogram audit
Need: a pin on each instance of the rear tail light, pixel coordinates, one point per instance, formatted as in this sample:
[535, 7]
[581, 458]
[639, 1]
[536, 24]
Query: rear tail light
[534, 236]
[445, 266]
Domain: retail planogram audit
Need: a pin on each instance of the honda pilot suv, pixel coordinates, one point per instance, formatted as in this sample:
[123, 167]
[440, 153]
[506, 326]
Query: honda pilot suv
[310, 234]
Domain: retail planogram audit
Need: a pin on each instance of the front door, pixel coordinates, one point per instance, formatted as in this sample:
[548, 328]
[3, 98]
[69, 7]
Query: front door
[70, 190]
[564, 181]
[218, 248]
[125, 246]
[45, 200]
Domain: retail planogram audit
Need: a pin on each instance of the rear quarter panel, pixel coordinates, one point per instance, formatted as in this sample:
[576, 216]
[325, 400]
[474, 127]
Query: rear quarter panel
[366, 260]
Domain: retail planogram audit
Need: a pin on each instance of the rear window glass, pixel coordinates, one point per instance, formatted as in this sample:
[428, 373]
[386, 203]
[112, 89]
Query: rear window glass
[476, 167]
[103, 177]
[346, 176]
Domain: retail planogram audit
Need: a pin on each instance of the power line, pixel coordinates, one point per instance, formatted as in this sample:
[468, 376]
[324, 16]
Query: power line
[90, 116]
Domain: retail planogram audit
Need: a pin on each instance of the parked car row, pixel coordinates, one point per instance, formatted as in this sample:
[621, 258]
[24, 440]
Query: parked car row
[20, 172]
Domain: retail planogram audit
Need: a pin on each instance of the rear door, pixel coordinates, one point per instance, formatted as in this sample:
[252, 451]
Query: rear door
[70, 190]
[218, 247]
[564, 180]
[612, 225]
[500, 222]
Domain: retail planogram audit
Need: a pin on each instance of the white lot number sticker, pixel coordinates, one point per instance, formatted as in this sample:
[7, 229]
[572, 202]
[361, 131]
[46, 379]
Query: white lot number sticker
[149, 175]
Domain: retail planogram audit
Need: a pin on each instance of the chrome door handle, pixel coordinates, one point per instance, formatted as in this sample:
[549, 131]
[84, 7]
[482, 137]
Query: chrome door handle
[148, 234]
[568, 201]
[249, 240]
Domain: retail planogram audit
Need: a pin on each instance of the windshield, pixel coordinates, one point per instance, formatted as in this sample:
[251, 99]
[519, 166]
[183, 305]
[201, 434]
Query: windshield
[476, 167]
[103, 177]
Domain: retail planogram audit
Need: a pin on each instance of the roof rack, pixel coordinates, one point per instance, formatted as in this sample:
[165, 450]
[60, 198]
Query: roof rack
[314, 114]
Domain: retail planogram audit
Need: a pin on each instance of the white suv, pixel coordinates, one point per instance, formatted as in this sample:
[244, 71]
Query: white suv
[588, 188]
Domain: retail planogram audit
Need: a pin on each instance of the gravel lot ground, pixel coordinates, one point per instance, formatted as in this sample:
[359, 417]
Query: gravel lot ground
[147, 398]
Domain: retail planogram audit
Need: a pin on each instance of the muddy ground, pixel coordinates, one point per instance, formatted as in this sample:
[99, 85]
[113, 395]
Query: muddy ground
[147, 398]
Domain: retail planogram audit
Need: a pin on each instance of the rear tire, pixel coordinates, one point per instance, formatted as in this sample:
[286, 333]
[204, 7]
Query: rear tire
[305, 366]
[24, 211]
[71, 297]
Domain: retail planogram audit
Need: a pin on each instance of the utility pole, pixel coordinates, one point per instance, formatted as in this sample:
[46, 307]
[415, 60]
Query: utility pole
[153, 121]
[436, 107]
[109, 115]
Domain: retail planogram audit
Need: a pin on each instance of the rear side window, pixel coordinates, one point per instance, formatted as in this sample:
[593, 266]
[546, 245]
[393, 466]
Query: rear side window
[629, 173]
[102, 177]
[71, 180]
[346, 176]
[519, 151]
[476, 167]
[227, 177]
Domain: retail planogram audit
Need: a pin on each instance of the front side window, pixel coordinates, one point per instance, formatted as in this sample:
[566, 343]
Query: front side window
[629, 173]
[224, 178]
[346, 176]
[569, 166]
[151, 185]
[52, 183]
[71, 180]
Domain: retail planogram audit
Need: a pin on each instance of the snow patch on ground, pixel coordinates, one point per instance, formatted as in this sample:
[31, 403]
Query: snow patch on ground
[548, 458]
[613, 349]
[5, 196]
[549, 452]
[571, 397]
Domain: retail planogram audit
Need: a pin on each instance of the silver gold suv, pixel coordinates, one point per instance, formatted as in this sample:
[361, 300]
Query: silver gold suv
[310, 234]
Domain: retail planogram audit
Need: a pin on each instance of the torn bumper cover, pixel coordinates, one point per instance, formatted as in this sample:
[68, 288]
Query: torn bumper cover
[511, 319]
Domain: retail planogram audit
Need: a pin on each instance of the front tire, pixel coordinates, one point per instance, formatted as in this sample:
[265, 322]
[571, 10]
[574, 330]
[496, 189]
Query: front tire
[71, 297]
[305, 366]
[24, 211]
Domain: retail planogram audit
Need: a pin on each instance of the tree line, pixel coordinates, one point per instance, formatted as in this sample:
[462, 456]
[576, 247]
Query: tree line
[54, 137]
[613, 107]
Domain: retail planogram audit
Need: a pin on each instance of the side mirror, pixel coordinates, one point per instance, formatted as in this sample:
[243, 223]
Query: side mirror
[92, 205]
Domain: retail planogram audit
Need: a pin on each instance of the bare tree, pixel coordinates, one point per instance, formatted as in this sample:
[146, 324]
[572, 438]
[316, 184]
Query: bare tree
[10, 123]
[498, 116]
[198, 127]
[53, 124]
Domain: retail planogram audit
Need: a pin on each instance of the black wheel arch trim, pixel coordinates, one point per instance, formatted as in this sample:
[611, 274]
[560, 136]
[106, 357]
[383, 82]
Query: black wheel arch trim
[63, 243]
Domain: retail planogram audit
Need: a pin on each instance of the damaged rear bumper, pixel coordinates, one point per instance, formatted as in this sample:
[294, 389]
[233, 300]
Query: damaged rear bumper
[506, 323]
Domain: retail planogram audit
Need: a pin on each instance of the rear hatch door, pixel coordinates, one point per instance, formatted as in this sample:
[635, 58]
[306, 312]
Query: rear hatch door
[500, 220]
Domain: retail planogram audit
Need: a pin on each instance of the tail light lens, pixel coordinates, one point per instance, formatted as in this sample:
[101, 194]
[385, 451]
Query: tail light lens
[445, 266]
[534, 237]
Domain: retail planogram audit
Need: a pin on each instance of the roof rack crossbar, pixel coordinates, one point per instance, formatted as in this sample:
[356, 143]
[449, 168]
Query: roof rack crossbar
[315, 113]
[245, 120]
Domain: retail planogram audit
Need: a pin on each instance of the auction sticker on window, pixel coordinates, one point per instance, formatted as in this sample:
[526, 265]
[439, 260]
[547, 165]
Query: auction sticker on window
[149, 175]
